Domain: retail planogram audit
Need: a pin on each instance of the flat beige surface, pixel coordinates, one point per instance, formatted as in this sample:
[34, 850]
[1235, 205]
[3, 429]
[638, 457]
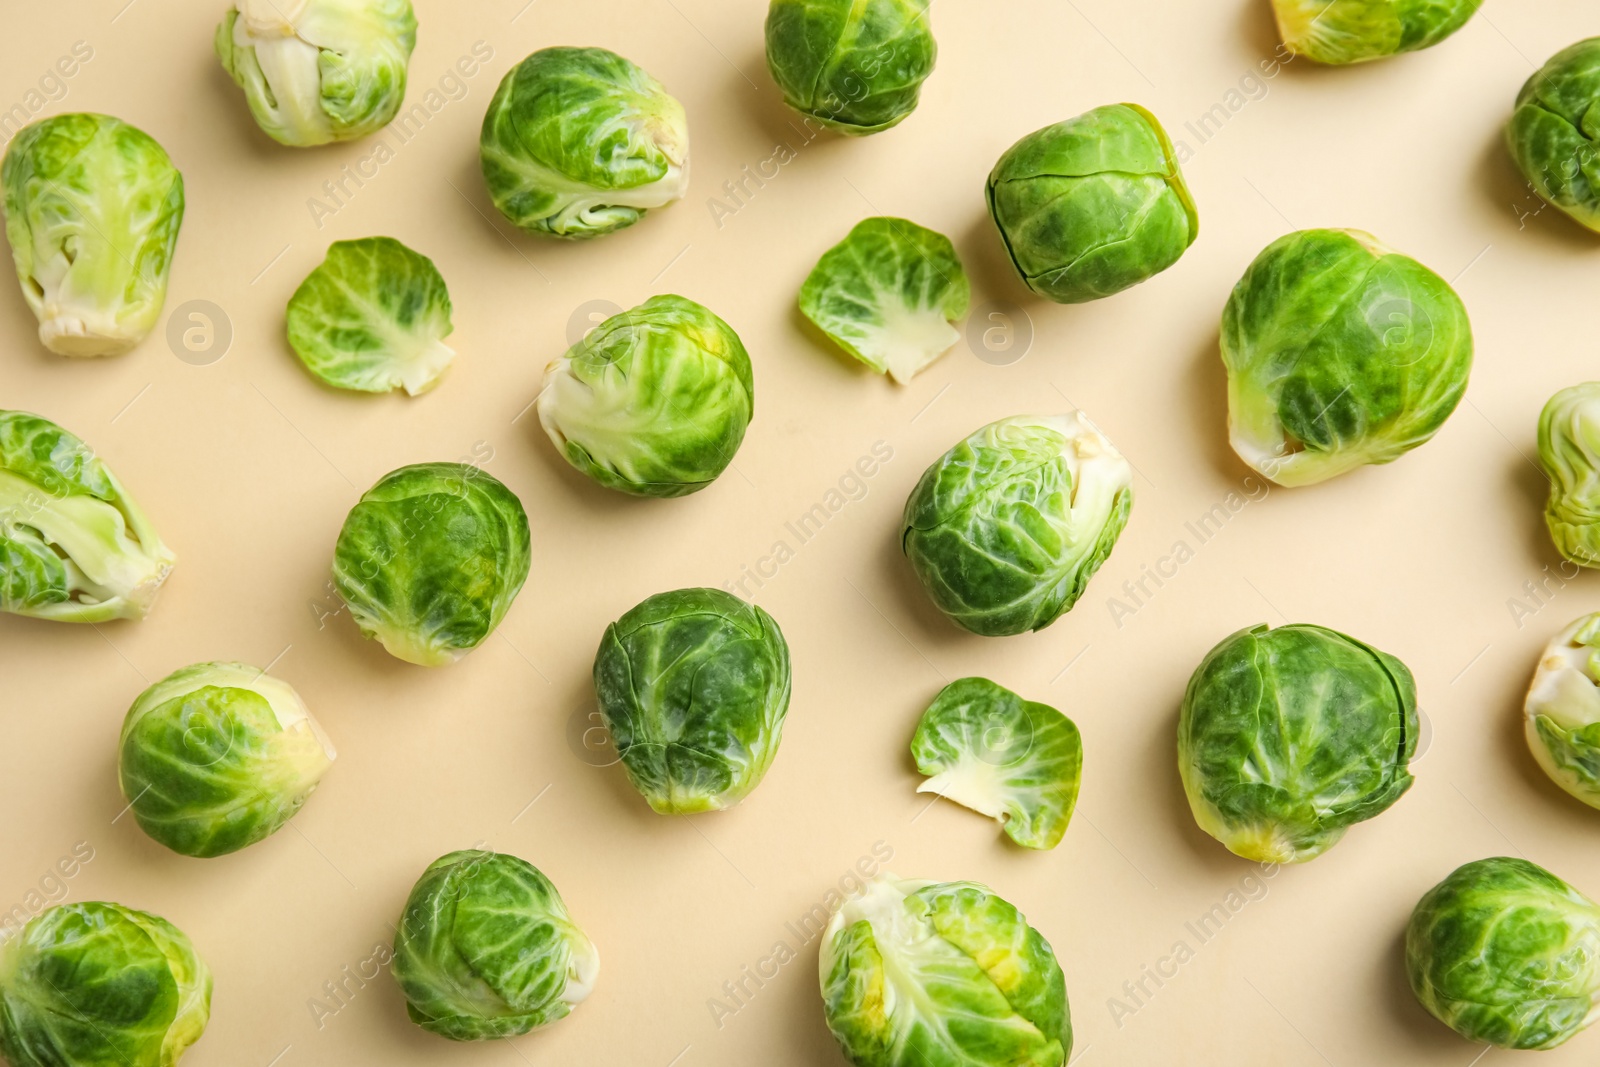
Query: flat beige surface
[248, 468]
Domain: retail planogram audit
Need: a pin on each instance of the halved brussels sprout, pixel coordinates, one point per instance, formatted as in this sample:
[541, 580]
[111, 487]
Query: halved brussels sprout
[1505, 952]
[315, 71]
[1093, 205]
[889, 294]
[218, 756]
[430, 560]
[100, 985]
[93, 208]
[1340, 352]
[1569, 452]
[654, 401]
[941, 974]
[856, 66]
[487, 949]
[373, 318]
[1355, 31]
[579, 142]
[1289, 737]
[694, 686]
[1562, 711]
[1008, 758]
[74, 547]
[1554, 134]
[1006, 529]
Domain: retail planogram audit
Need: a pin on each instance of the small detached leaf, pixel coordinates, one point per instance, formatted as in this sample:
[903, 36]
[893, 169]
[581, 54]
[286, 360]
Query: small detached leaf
[1011, 759]
[372, 318]
[889, 294]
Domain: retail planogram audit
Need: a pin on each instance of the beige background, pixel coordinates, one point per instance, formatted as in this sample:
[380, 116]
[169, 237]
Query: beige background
[248, 468]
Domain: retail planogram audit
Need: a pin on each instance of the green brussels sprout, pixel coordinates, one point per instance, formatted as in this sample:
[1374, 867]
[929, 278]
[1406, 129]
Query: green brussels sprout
[1340, 352]
[430, 560]
[1005, 757]
[856, 66]
[317, 71]
[372, 318]
[487, 949]
[218, 756]
[693, 686]
[654, 401]
[1554, 131]
[579, 142]
[1503, 951]
[941, 974]
[1006, 529]
[74, 547]
[1355, 31]
[1093, 205]
[1289, 737]
[93, 208]
[1569, 452]
[889, 294]
[1562, 710]
[100, 985]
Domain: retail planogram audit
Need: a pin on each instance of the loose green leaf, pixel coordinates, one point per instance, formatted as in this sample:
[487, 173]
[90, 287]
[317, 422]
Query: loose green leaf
[856, 66]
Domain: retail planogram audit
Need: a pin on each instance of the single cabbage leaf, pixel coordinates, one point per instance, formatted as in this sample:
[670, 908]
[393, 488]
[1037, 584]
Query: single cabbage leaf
[889, 294]
[1562, 710]
[1355, 31]
[1008, 758]
[855, 66]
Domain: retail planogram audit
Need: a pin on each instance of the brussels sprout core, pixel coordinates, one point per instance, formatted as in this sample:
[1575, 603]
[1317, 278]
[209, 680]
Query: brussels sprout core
[1562, 710]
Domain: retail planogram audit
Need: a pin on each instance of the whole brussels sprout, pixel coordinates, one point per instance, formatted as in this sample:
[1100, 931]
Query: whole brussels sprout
[1008, 758]
[1503, 951]
[430, 560]
[1093, 205]
[1006, 529]
[218, 756]
[487, 949]
[1340, 352]
[1554, 134]
[941, 974]
[654, 401]
[1562, 710]
[579, 142]
[856, 66]
[316, 71]
[1569, 453]
[1355, 31]
[693, 686]
[93, 208]
[1289, 737]
[74, 547]
[100, 985]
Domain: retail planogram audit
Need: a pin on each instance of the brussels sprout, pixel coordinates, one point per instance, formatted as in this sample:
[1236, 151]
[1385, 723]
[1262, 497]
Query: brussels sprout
[693, 686]
[74, 547]
[1505, 952]
[1008, 758]
[941, 974]
[315, 71]
[218, 756]
[654, 401]
[1289, 737]
[372, 318]
[856, 66]
[430, 560]
[889, 294]
[100, 985]
[487, 949]
[1340, 352]
[1006, 529]
[1569, 452]
[1355, 31]
[1562, 711]
[1554, 131]
[93, 208]
[579, 142]
[1093, 205]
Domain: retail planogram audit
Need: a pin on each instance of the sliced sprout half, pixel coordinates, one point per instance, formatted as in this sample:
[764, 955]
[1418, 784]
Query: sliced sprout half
[1562, 711]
